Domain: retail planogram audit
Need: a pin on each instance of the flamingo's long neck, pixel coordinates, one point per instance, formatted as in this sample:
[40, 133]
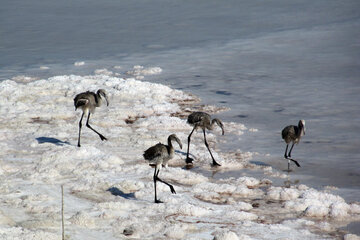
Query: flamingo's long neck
[98, 99]
[170, 146]
[301, 130]
[211, 127]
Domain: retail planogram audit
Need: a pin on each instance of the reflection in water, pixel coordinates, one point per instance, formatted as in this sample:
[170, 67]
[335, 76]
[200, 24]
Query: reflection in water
[288, 182]
[214, 171]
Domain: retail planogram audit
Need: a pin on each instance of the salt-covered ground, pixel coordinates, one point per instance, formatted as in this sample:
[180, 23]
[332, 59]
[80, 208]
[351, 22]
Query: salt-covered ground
[108, 188]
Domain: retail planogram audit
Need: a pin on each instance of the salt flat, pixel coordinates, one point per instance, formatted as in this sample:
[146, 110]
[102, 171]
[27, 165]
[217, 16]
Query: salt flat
[108, 185]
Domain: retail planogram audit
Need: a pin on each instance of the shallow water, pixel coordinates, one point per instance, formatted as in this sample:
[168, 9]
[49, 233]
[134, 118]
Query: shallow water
[271, 63]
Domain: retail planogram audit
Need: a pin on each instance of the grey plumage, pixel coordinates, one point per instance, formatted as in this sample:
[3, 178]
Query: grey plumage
[292, 134]
[87, 102]
[202, 120]
[159, 155]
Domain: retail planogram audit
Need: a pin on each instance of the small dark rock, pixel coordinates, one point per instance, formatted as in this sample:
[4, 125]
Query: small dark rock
[256, 205]
[128, 231]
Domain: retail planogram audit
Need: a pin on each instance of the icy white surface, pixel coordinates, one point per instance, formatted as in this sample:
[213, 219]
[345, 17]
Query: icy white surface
[78, 64]
[108, 186]
[141, 70]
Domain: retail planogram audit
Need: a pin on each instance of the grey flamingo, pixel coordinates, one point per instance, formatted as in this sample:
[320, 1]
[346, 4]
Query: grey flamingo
[159, 155]
[202, 120]
[88, 101]
[292, 134]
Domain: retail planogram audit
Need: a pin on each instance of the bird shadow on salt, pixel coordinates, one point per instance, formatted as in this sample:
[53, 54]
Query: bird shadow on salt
[55, 141]
[183, 153]
[117, 192]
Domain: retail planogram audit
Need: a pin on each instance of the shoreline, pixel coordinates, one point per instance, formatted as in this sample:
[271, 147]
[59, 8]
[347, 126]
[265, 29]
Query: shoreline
[140, 114]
